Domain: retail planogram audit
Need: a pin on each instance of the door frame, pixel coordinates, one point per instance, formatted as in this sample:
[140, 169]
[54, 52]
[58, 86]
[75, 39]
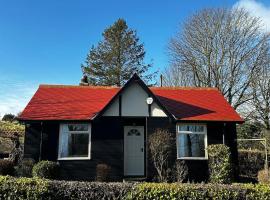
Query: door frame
[144, 152]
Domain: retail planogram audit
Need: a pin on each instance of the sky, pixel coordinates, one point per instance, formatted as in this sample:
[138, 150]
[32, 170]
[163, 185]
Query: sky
[45, 42]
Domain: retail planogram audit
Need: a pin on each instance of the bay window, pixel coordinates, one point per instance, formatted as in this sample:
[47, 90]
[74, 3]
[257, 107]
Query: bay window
[191, 140]
[74, 141]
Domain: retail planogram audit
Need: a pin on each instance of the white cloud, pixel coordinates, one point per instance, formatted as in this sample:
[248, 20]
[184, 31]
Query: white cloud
[257, 9]
[14, 95]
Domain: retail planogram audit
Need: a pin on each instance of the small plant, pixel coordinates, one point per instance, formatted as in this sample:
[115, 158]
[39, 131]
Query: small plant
[160, 146]
[46, 169]
[181, 171]
[219, 162]
[6, 167]
[103, 171]
[25, 167]
[263, 176]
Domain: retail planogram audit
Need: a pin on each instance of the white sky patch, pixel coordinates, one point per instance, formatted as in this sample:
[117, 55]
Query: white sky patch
[14, 95]
[256, 9]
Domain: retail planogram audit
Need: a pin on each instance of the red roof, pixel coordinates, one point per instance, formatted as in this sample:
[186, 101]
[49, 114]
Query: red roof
[84, 102]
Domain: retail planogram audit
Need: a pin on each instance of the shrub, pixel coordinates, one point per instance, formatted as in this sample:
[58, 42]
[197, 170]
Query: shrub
[23, 188]
[167, 191]
[263, 176]
[160, 146]
[103, 171]
[181, 171]
[219, 162]
[25, 167]
[46, 169]
[250, 162]
[6, 167]
[36, 188]
[89, 190]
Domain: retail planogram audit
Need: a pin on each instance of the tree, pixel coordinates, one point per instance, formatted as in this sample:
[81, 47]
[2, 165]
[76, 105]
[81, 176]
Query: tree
[220, 48]
[261, 95]
[8, 117]
[160, 144]
[117, 57]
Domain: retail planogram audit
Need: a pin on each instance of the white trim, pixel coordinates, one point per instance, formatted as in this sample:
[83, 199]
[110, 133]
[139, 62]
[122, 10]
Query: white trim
[61, 131]
[190, 132]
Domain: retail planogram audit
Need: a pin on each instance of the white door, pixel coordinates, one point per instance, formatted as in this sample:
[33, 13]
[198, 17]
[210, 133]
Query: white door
[133, 150]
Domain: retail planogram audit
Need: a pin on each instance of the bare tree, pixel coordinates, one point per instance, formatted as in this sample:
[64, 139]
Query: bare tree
[220, 48]
[261, 95]
[160, 146]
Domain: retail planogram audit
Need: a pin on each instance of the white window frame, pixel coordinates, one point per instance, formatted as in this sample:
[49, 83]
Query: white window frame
[61, 131]
[190, 132]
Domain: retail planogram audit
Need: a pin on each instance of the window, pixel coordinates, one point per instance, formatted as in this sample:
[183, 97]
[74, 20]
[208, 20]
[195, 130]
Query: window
[134, 132]
[74, 141]
[191, 141]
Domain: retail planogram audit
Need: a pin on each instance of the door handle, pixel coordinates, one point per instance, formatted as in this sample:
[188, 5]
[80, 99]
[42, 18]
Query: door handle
[141, 149]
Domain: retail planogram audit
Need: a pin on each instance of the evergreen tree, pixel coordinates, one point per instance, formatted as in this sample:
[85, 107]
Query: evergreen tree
[117, 57]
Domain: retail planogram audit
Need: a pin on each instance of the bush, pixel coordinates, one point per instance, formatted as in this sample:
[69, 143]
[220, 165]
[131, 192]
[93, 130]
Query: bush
[167, 191]
[46, 169]
[219, 162]
[181, 171]
[103, 171]
[6, 167]
[23, 188]
[25, 167]
[263, 176]
[36, 188]
[250, 162]
[160, 147]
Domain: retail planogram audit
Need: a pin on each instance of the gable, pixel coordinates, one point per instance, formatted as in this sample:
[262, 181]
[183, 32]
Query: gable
[133, 103]
[58, 102]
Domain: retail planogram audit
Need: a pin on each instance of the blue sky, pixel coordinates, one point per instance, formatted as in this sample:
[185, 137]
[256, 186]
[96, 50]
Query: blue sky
[46, 41]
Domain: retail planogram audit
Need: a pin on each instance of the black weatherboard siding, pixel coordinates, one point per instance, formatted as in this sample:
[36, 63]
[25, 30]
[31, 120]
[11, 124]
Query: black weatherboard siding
[107, 146]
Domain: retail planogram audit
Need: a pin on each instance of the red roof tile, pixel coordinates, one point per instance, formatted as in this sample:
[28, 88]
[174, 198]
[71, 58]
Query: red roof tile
[84, 102]
[202, 104]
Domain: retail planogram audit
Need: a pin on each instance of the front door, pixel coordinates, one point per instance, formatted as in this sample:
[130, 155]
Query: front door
[133, 150]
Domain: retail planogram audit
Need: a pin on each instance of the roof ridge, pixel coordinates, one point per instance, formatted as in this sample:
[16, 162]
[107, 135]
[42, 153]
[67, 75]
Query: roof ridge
[185, 88]
[76, 86]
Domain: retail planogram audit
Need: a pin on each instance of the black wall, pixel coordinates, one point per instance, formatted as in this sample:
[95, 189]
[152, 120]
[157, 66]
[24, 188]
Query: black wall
[107, 146]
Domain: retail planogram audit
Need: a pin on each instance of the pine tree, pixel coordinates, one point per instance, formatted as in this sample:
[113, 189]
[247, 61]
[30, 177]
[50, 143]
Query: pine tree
[117, 57]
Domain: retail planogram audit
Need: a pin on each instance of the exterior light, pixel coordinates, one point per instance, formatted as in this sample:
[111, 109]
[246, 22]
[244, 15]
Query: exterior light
[149, 100]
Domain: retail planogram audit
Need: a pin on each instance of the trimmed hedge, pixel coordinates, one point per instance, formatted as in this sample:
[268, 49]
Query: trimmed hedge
[167, 191]
[36, 188]
[250, 162]
[46, 169]
[220, 165]
[39, 189]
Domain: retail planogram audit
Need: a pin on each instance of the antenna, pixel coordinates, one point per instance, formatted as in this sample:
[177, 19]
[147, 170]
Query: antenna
[161, 80]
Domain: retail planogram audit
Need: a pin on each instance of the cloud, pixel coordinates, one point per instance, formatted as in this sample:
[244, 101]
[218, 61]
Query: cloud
[256, 9]
[14, 95]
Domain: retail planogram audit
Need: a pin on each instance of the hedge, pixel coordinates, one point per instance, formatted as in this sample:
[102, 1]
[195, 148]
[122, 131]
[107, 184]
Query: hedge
[36, 188]
[168, 191]
[250, 162]
[220, 165]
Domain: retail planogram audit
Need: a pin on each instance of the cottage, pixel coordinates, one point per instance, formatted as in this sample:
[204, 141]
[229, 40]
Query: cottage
[82, 126]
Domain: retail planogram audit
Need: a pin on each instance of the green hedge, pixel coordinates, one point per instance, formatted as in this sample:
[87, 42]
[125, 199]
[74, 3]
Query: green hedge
[39, 189]
[219, 163]
[46, 169]
[35, 188]
[168, 191]
[250, 162]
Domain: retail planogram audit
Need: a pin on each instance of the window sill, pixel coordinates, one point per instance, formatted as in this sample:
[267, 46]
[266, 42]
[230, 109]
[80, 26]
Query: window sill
[192, 158]
[75, 158]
